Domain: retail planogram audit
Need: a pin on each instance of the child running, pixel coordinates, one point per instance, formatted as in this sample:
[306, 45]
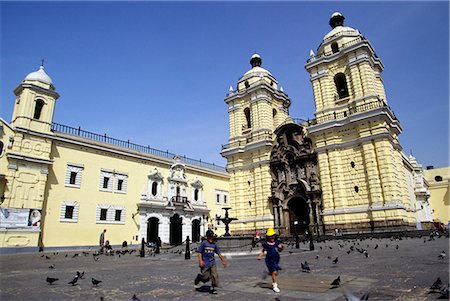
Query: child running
[207, 262]
[272, 246]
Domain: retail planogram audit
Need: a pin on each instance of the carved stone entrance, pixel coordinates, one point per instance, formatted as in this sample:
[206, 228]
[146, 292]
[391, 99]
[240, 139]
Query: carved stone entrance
[296, 194]
[176, 223]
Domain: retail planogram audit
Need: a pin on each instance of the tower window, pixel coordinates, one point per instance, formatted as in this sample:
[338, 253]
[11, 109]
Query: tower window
[274, 113]
[196, 194]
[334, 47]
[438, 178]
[352, 164]
[247, 117]
[247, 84]
[341, 85]
[356, 189]
[38, 108]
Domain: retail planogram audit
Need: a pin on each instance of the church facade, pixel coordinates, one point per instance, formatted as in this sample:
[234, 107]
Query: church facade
[343, 170]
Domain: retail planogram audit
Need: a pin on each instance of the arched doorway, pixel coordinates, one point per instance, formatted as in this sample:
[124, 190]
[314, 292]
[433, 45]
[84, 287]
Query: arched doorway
[176, 229]
[195, 230]
[152, 229]
[298, 215]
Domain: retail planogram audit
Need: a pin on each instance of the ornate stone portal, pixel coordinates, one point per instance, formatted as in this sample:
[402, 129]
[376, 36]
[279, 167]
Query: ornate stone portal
[296, 193]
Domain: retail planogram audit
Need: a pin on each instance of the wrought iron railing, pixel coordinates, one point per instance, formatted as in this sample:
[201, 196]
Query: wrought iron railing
[56, 127]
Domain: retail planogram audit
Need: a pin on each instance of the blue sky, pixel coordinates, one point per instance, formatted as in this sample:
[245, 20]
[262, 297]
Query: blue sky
[157, 73]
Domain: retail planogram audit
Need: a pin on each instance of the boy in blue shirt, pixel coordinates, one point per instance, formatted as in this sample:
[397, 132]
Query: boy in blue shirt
[207, 263]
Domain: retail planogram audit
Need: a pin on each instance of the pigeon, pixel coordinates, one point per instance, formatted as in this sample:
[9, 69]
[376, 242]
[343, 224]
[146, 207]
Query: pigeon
[442, 255]
[317, 256]
[66, 255]
[50, 280]
[396, 247]
[350, 297]
[80, 275]
[305, 267]
[47, 257]
[96, 258]
[290, 252]
[376, 247]
[75, 255]
[437, 284]
[42, 255]
[348, 252]
[135, 298]
[74, 281]
[95, 281]
[336, 282]
[51, 266]
[335, 260]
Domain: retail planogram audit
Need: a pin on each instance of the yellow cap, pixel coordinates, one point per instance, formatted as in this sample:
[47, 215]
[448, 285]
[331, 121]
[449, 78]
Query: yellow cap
[270, 232]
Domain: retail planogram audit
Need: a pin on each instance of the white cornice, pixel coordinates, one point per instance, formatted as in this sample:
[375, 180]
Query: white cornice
[29, 159]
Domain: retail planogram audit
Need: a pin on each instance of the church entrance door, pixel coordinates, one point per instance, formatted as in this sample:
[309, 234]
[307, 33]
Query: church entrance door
[298, 215]
[175, 229]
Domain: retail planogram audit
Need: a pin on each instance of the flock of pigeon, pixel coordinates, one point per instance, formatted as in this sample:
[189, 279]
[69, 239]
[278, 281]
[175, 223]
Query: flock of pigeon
[80, 275]
[437, 288]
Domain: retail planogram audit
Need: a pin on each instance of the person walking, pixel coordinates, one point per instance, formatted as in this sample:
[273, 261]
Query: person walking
[102, 240]
[207, 263]
[271, 247]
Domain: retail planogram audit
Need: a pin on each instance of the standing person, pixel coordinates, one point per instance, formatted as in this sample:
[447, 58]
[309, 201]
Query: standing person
[272, 246]
[207, 262]
[102, 240]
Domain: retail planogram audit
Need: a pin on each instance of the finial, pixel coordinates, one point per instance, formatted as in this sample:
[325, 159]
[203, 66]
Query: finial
[337, 19]
[311, 53]
[281, 89]
[231, 89]
[42, 63]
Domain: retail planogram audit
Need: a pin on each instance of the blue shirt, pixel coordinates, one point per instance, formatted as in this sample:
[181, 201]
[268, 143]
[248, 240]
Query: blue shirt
[208, 250]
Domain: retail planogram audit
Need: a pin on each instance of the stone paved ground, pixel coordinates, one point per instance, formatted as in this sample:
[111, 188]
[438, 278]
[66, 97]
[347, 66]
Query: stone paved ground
[387, 274]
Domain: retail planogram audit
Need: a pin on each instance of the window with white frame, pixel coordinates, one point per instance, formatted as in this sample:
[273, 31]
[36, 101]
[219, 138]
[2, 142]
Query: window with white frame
[109, 214]
[69, 212]
[73, 175]
[106, 180]
[221, 196]
[120, 183]
[197, 191]
[155, 181]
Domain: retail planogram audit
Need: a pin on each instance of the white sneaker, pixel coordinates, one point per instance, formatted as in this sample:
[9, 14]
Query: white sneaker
[275, 288]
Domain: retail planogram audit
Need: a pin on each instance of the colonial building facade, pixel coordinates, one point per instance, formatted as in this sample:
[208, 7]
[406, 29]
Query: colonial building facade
[62, 186]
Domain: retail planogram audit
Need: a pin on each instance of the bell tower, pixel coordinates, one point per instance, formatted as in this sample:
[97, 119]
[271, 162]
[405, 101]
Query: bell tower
[355, 134]
[29, 152]
[35, 102]
[255, 110]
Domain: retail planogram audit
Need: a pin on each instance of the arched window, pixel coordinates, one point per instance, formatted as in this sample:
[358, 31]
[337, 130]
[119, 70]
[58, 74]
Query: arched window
[247, 84]
[196, 194]
[247, 117]
[38, 108]
[154, 188]
[334, 47]
[274, 113]
[341, 85]
[438, 178]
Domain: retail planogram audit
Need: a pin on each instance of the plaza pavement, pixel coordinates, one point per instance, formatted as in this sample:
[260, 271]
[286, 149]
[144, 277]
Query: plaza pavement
[387, 273]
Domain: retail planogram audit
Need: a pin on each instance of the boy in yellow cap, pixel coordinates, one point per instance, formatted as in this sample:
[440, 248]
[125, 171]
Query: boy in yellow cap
[272, 246]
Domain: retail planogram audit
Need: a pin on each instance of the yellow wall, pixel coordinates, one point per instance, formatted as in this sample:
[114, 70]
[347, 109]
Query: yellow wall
[87, 230]
[439, 192]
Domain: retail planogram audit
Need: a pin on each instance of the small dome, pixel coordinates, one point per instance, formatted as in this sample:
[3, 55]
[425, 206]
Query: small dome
[39, 75]
[336, 19]
[256, 62]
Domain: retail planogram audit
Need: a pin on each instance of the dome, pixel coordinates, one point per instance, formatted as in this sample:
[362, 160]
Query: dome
[39, 75]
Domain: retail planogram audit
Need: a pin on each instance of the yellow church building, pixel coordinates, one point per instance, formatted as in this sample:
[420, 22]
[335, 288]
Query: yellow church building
[343, 169]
